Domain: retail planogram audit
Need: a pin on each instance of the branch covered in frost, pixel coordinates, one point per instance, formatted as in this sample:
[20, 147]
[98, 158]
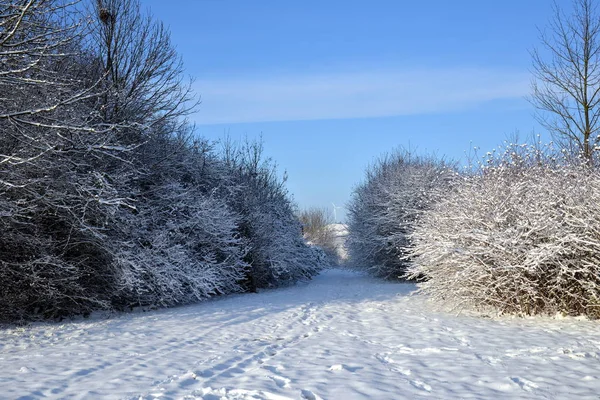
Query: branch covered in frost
[522, 240]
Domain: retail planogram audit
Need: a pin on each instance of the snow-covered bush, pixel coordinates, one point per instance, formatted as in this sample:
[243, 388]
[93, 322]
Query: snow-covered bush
[181, 247]
[384, 210]
[278, 253]
[521, 236]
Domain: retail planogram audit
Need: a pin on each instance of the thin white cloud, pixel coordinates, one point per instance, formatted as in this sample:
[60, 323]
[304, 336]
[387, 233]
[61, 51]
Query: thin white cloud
[354, 95]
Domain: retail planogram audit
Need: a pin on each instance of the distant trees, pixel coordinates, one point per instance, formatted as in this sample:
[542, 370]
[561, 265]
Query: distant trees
[386, 207]
[318, 230]
[106, 199]
[566, 89]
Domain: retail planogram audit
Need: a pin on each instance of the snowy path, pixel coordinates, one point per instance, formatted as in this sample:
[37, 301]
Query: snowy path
[342, 336]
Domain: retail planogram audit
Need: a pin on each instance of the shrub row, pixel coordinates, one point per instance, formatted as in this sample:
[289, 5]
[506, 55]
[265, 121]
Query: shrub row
[106, 199]
[519, 235]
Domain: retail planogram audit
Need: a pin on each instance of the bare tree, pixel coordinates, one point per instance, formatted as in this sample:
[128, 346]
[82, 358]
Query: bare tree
[143, 73]
[37, 78]
[566, 86]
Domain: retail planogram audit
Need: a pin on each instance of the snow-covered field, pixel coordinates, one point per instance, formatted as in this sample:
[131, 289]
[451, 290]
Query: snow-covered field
[341, 336]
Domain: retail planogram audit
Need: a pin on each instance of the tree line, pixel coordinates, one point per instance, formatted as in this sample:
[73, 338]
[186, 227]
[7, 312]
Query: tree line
[107, 198]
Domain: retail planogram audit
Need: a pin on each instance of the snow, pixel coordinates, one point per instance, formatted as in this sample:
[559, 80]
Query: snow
[341, 336]
[340, 234]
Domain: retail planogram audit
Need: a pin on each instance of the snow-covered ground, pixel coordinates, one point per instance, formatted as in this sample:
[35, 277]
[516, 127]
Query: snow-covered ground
[341, 336]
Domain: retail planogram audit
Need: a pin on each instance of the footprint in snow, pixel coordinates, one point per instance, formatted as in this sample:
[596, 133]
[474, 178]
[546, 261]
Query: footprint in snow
[340, 367]
[421, 385]
[280, 381]
[489, 359]
[308, 395]
[188, 379]
[393, 365]
[274, 369]
[207, 373]
[573, 354]
[403, 371]
[524, 384]
[384, 358]
[271, 352]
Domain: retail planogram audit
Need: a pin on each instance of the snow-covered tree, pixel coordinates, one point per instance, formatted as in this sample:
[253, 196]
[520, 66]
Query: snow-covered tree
[278, 253]
[106, 198]
[54, 204]
[385, 209]
[37, 74]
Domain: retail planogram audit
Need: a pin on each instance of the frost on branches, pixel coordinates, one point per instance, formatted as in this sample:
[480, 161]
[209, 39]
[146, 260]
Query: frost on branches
[106, 200]
[182, 247]
[385, 209]
[522, 236]
[277, 253]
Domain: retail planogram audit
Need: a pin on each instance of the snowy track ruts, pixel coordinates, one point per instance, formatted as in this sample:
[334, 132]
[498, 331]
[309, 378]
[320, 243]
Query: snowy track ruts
[341, 336]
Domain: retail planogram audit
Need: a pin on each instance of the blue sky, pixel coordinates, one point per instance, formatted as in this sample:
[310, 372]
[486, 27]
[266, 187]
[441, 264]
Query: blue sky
[332, 85]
